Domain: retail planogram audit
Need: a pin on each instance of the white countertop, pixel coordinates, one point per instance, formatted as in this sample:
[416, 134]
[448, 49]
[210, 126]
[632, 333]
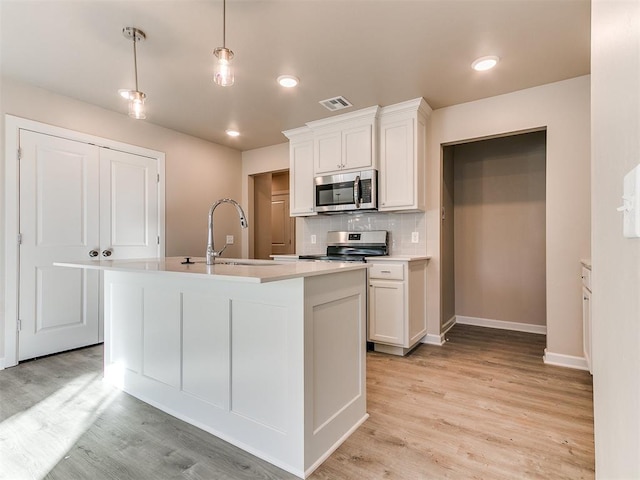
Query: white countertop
[255, 271]
[381, 258]
[402, 258]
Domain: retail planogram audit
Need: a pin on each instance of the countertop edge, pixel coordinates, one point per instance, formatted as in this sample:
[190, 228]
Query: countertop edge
[254, 273]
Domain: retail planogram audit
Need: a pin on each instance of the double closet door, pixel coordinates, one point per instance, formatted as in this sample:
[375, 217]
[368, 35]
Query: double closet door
[78, 201]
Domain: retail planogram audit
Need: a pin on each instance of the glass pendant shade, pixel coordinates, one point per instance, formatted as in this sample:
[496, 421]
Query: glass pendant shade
[136, 105]
[135, 97]
[223, 71]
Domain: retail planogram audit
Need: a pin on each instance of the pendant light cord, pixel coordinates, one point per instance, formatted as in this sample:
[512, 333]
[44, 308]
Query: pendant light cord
[135, 59]
[224, 23]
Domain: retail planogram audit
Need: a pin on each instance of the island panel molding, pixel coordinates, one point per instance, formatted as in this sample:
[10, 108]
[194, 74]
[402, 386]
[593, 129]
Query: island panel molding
[276, 368]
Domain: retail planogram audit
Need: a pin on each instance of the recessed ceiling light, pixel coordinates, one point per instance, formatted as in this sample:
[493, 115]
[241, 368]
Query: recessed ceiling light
[288, 81]
[232, 133]
[485, 63]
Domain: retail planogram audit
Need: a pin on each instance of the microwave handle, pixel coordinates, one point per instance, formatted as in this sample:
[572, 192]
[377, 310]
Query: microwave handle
[356, 191]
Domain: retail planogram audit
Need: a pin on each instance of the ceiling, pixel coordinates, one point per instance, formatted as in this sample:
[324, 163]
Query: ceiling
[373, 52]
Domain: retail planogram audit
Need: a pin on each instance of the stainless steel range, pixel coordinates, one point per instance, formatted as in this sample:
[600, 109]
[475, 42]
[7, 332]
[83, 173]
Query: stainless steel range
[353, 246]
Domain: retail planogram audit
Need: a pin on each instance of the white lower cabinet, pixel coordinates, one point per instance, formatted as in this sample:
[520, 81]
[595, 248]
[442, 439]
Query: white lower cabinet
[386, 310]
[397, 304]
[586, 315]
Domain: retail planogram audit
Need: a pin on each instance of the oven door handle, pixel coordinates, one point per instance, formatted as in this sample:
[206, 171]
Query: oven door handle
[356, 191]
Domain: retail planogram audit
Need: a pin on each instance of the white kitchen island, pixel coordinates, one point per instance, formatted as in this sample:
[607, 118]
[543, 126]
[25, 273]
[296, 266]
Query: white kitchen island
[269, 357]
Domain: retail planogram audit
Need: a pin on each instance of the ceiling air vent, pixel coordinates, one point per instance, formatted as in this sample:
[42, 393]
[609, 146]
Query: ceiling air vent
[335, 103]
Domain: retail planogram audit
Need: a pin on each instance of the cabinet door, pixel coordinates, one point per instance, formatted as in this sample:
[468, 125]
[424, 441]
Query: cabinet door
[357, 147]
[77, 200]
[301, 178]
[129, 226]
[586, 325]
[397, 187]
[59, 220]
[386, 312]
[328, 152]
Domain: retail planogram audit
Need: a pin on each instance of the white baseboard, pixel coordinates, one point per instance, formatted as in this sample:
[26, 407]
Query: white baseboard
[448, 325]
[431, 339]
[568, 361]
[1, 363]
[501, 324]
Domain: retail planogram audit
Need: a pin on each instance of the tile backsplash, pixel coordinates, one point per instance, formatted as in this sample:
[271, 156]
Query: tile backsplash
[399, 225]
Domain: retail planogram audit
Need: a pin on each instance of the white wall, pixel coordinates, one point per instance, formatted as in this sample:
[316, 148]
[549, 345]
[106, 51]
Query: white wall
[615, 130]
[2, 209]
[563, 109]
[197, 172]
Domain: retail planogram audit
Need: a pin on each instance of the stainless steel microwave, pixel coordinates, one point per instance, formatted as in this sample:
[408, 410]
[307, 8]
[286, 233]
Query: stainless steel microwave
[346, 192]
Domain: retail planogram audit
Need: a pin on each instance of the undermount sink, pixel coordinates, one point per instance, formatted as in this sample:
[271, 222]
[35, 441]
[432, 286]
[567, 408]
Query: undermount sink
[248, 263]
[251, 264]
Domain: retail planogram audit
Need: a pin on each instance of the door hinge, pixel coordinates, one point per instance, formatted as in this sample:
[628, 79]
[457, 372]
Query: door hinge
[158, 239]
[19, 239]
[19, 153]
[19, 324]
[158, 177]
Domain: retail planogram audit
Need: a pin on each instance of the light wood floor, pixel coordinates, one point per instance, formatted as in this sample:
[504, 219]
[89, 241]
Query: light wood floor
[483, 406]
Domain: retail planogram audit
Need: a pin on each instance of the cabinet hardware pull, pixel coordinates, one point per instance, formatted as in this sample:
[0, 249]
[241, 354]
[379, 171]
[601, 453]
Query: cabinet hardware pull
[385, 271]
[93, 253]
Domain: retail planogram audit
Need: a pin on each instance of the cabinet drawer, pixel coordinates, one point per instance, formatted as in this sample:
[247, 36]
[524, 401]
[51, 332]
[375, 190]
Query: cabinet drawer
[586, 277]
[390, 271]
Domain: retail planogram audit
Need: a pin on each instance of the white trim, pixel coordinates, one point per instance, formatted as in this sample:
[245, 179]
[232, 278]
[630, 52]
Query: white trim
[1, 363]
[431, 339]
[568, 361]
[334, 447]
[501, 324]
[13, 125]
[448, 325]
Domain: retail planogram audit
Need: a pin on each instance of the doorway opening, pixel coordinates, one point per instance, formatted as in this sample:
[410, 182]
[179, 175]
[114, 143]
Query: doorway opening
[493, 236]
[274, 230]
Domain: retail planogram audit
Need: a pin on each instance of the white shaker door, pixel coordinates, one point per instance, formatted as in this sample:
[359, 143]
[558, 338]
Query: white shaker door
[59, 220]
[129, 225]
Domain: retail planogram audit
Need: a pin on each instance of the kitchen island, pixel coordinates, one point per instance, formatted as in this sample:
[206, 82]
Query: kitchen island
[269, 357]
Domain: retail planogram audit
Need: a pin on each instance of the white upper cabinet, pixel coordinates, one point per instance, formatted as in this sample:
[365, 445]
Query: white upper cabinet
[390, 139]
[345, 142]
[402, 133]
[300, 171]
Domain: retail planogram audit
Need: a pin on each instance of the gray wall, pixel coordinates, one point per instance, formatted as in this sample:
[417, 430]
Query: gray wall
[448, 292]
[499, 232]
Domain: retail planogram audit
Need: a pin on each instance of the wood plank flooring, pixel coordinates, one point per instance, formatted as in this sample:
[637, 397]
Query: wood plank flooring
[483, 406]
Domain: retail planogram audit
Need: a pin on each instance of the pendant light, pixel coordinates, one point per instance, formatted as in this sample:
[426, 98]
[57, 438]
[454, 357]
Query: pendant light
[223, 72]
[135, 97]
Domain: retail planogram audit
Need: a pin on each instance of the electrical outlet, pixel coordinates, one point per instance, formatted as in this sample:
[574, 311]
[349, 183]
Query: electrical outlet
[229, 239]
[415, 237]
[313, 239]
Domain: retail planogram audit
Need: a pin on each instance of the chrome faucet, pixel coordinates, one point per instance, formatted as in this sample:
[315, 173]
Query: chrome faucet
[211, 251]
